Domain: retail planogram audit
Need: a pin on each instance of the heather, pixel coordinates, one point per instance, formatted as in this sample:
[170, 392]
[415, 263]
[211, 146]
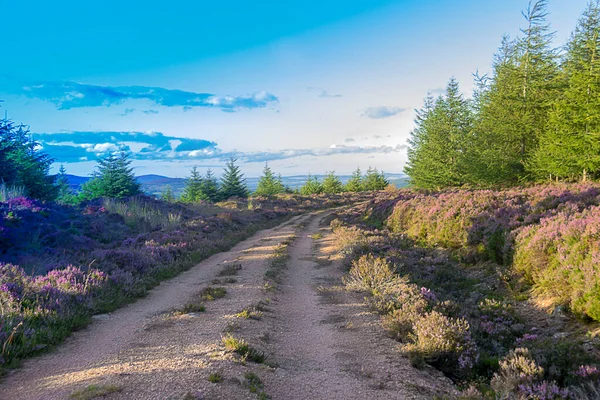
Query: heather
[61, 264]
[547, 233]
[457, 277]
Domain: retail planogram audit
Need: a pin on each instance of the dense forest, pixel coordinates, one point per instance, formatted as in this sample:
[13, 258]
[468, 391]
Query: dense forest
[536, 118]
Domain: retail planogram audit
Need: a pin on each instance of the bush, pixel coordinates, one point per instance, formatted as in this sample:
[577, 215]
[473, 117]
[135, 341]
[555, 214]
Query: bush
[561, 256]
[369, 274]
[443, 341]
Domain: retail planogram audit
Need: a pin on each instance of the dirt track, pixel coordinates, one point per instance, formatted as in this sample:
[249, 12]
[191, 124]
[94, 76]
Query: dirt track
[321, 342]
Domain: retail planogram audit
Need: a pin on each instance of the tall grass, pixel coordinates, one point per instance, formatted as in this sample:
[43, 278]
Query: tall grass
[10, 192]
[141, 215]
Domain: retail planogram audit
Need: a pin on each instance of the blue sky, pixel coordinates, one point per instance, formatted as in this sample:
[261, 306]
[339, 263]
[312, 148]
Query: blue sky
[309, 86]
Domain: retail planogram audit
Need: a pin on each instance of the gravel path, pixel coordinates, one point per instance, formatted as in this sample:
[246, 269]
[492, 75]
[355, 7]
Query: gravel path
[321, 342]
[327, 344]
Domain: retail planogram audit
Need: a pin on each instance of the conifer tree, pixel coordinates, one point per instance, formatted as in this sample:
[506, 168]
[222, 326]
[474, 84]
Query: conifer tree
[311, 186]
[167, 194]
[570, 147]
[22, 164]
[374, 180]
[437, 145]
[233, 183]
[113, 178]
[209, 187]
[355, 183]
[512, 113]
[332, 184]
[65, 193]
[192, 192]
[269, 185]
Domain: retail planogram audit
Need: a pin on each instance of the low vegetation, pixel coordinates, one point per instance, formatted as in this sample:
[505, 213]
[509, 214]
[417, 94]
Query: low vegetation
[60, 264]
[94, 392]
[458, 276]
[241, 347]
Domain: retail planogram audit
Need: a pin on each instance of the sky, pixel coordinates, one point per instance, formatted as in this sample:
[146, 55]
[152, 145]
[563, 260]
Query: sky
[307, 86]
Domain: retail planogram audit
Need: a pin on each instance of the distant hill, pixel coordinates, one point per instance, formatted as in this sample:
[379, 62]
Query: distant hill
[156, 184]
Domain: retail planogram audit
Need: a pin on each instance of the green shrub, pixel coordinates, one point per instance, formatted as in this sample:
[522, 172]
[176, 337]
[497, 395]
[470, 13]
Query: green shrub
[369, 273]
[443, 341]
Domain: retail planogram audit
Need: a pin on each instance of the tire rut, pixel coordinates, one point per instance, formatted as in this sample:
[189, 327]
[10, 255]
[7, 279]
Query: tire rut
[327, 343]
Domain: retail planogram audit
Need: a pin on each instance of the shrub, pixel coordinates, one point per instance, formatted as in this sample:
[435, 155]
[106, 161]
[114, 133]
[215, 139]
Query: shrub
[369, 273]
[518, 375]
[443, 341]
[561, 256]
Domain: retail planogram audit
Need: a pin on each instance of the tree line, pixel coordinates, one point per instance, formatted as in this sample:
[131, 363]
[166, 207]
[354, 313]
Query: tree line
[535, 118]
[232, 184]
[25, 171]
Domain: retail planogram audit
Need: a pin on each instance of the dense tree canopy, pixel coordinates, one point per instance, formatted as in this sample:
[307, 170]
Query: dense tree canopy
[536, 117]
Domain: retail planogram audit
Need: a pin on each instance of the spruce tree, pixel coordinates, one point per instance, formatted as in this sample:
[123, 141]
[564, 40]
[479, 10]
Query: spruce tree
[268, 184]
[570, 147]
[209, 187]
[374, 180]
[22, 165]
[355, 183]
[311, 186]
[167, 194]
[233, 183]
[113, 178]
[65, 193]
[192, 192]
[332, 184]
[437, 145]
[513, 112]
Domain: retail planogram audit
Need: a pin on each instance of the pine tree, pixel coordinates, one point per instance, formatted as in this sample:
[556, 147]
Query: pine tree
[332, 184]
[437, 145]
[113, 178]
[355, 183]
[514, 110]
[192, 192]
[269, 185]
[233, 183]
[311, 186]
[571, 145]
[374, 180]
[209, 187]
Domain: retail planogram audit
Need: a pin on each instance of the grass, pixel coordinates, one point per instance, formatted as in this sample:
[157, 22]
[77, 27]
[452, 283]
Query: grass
[255, 385]
[213, 293]
[241, 347]
[316, 236]
[278, 262]
[250, 313]
[192, 308]
[230, 270]
[215, 377]
[94, 391]
[138, 213]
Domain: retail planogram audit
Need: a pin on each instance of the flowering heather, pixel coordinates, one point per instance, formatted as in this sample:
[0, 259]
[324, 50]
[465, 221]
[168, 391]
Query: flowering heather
[451, 307]
[548, 233]
[484, 219]
[561, 255]
[60, 264]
